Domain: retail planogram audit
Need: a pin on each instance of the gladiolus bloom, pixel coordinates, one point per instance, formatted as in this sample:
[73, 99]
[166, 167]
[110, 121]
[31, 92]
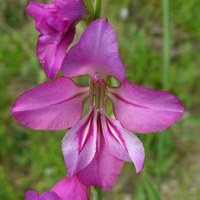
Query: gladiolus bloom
[138, 109]
[95, 148]
[56, 23]
[66, 189]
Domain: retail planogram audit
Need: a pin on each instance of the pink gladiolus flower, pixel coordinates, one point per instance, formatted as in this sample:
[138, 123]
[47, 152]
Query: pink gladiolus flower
[95, 148]
[138, 109]
[56, 23]
[66, 189]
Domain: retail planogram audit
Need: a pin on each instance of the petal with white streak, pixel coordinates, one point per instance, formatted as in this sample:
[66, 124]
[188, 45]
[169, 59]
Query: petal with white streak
[123, 144]
[79, 144]
[104, 169]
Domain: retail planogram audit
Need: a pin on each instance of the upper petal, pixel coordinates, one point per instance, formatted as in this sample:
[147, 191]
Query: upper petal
[51, 50]
[104, 169]
[31, 195]
[96, 52]
[144, 110]
[123, 144]
[71, 10]
[58, 16]
[56, 23]
[71, 189]
[79, 144]
[40, 13]
[54, 105]
[47, 18]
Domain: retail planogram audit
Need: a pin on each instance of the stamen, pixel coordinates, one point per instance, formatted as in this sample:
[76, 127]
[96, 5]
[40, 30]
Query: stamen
[92, 95]
[97, 93]
[102, 95]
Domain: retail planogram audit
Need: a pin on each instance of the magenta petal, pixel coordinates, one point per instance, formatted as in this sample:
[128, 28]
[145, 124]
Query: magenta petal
[56, 23]
[58, 16]
[46, 17]
[40, 13]
[96, 52]
[71, 10]
[104, 169]
[66, 189]
[52, 50]
[54, 105]
[71, 189]
[123, 144]
[32, 195]
[144, 110]
[50, 196]
[79, 144]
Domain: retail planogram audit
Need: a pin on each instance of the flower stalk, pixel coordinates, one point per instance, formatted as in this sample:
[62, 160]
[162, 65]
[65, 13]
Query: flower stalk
[165, 85]
[89, 6]
[166, 45]
[97, 14]
[99, 193]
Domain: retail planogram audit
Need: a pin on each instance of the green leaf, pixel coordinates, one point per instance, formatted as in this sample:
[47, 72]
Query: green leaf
[167, 163]
[140, 193]
[151, 190]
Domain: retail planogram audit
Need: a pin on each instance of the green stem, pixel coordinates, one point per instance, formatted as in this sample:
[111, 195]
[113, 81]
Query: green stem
[99, 193]
[166, 45]
[165, 76]
[97, 14]
[89, 6]
[160, 158]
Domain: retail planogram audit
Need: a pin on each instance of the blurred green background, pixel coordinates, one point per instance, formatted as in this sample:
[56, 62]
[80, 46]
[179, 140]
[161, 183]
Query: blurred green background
[33, 159]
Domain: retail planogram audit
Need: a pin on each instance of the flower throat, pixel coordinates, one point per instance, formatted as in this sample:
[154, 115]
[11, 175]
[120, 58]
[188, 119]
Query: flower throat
[97, 95]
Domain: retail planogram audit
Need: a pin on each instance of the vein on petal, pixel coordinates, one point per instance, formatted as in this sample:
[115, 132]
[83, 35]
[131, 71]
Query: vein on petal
[142, 106]
[53, 104]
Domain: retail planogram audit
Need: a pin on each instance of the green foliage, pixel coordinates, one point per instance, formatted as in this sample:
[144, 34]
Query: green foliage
[151, 190]
[33, 160]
